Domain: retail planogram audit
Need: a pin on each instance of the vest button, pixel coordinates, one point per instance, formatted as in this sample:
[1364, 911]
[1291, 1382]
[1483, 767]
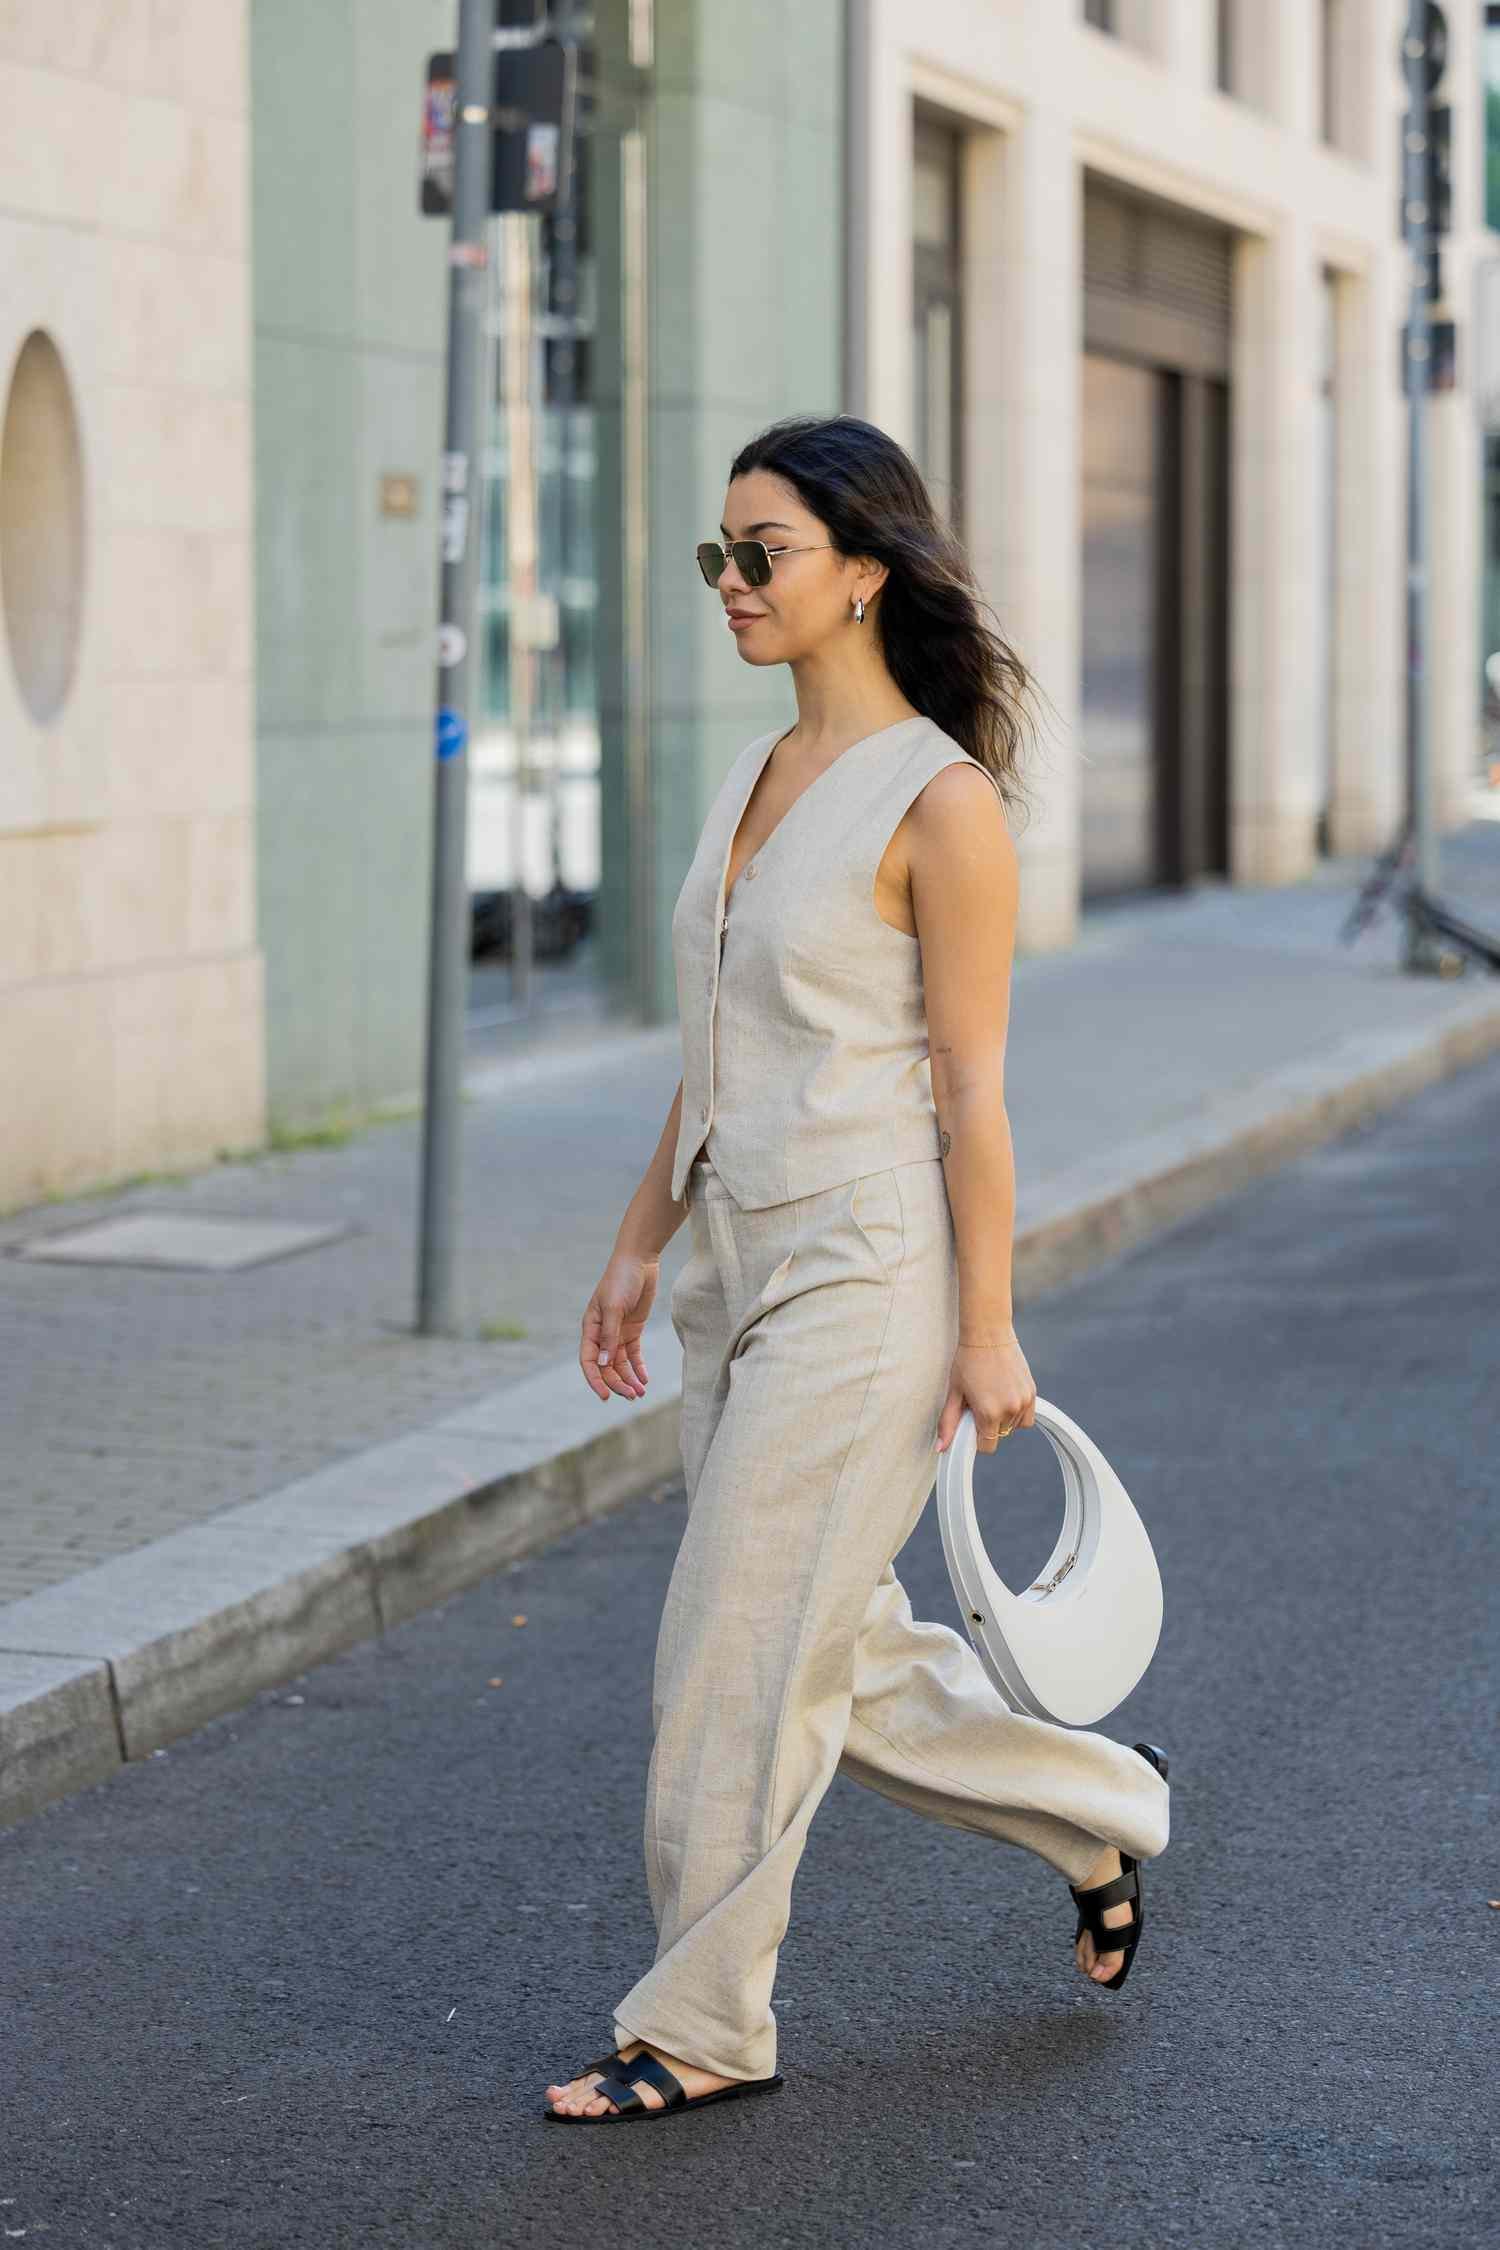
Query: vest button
[703, 1113]
[750, 870]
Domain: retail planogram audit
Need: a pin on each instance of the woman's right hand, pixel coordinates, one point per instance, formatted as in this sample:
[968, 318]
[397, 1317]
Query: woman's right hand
[610, 1353]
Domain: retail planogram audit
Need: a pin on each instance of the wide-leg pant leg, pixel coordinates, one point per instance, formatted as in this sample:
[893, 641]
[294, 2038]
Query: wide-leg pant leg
[811, 1352]
[928, 1728]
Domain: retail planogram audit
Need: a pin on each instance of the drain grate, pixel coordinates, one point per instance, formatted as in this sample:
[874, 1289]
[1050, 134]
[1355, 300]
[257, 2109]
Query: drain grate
[157, 1238]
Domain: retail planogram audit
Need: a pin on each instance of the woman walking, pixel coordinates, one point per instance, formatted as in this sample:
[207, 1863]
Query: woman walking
[840, 1148]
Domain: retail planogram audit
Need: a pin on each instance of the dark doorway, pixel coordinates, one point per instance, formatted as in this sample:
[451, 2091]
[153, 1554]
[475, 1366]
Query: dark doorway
[1193, 831]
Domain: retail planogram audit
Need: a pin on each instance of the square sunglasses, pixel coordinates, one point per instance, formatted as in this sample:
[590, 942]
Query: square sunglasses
[752, 559]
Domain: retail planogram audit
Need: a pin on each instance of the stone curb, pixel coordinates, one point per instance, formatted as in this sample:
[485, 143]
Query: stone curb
[115, 1663]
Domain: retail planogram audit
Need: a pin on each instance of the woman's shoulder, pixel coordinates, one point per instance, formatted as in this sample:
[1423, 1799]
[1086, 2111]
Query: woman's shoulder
[933, 750]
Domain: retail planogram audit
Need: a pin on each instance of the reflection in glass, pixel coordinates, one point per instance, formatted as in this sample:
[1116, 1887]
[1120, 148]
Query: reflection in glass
[1121, 474]
[561, 299]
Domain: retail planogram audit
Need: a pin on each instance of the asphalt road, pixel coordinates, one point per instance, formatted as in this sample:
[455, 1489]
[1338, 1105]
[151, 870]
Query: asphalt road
[301, 1980]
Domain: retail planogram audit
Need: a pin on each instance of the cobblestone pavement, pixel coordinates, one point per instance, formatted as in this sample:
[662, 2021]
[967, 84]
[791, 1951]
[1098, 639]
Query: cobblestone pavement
[136, 1402]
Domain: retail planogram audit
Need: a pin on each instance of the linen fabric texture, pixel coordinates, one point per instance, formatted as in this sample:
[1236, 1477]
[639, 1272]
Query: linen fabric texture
[804, 1036]
[818, 1316]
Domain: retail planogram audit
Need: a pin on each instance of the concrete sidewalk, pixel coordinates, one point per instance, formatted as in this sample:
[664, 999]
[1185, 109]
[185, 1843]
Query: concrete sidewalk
[212, 1480]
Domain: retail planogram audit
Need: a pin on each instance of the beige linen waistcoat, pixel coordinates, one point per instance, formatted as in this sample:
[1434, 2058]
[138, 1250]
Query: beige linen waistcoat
[804, 1033]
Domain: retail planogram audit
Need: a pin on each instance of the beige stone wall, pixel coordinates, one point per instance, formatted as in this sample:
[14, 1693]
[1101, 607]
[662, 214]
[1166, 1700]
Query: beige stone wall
[1042, 97]
[130, 981]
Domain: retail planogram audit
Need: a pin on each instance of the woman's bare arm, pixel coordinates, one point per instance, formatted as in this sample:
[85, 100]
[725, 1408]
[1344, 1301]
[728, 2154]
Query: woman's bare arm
[611, 1348]
[965, 885]
[652, 1216]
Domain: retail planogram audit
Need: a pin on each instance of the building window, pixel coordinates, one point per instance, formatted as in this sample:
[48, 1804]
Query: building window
[1135, 23]
[1225, 64]
[1492, 116]
[1323, 582]
[1332, 121]
[1328, 121]
[936, 307]
[43, 558]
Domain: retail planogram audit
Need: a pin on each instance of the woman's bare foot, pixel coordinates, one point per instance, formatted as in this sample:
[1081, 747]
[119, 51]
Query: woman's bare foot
[1102, 1966]
[575, 2100]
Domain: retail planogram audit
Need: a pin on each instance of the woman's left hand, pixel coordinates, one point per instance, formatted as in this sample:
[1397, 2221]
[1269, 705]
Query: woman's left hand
[994, 1382]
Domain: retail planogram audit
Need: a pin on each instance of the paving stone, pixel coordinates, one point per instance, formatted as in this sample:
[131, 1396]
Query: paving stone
[138, 1402]
[159, 1238]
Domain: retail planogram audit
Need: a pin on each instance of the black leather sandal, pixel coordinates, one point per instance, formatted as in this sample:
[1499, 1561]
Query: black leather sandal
[618, 2086]
[1119, 1890]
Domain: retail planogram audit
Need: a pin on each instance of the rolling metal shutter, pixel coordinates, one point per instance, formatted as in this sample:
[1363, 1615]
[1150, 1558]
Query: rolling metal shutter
[1157, 281]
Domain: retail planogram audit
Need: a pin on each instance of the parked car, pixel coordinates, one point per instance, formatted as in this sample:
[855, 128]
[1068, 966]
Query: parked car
[560, 919]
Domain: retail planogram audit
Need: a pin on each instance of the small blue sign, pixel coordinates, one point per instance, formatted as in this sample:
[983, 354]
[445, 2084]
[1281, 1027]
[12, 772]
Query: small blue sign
[452, 732]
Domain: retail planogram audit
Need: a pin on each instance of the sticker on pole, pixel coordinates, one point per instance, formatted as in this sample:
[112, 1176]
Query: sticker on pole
[452, 732]
[452, 645]
[455, 527]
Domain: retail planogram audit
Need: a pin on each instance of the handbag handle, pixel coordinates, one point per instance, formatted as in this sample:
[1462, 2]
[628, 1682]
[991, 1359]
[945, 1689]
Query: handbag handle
[1072, 1644]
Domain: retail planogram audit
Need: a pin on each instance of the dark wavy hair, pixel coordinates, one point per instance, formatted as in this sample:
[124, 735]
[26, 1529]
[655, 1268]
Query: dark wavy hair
[930, 614]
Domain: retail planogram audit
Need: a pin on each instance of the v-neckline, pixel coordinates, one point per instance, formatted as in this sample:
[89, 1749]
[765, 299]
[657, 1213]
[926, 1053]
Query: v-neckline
[726, 888]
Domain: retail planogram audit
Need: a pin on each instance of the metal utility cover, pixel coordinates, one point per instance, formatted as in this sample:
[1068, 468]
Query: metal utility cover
[157, 1238]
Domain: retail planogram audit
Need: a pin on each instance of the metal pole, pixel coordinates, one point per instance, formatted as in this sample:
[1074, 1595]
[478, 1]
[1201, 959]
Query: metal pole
[448, 958]
[1421, 954]
[636, 161]
[521, 450]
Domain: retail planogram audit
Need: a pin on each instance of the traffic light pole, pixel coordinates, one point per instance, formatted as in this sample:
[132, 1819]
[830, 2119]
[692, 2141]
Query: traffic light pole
[448, 957]
[1438, 941]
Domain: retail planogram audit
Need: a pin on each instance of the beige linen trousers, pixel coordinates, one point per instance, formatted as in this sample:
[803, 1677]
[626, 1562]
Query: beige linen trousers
[818, 1333]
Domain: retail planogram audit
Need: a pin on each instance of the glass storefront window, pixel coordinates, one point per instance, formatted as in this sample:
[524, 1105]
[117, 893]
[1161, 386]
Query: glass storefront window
[1121, 423]
[1492, 116]
[547, 855]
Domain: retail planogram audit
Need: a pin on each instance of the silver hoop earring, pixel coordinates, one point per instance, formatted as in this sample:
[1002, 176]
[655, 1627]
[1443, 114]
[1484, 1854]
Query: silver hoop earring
[859, 609]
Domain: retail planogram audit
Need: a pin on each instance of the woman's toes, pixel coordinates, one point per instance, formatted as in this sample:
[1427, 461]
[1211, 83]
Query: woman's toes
[1106, 1963]
[579, 2098]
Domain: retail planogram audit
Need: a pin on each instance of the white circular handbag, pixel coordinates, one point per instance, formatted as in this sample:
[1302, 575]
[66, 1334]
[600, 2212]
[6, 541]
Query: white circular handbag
[1076, 1641]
